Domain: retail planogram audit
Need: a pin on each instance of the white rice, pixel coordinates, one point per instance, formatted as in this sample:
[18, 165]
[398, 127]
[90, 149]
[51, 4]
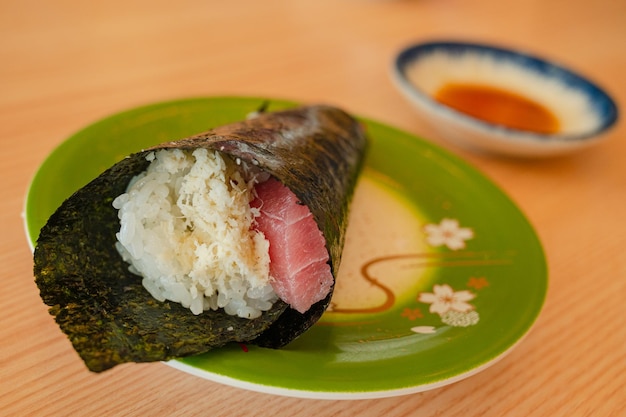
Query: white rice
[186, 228]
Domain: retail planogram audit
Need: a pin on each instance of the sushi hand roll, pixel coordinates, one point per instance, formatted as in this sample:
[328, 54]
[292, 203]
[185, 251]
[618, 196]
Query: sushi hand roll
[232, 235]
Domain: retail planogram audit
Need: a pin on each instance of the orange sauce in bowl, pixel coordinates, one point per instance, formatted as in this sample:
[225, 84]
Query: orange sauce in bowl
[498, 106]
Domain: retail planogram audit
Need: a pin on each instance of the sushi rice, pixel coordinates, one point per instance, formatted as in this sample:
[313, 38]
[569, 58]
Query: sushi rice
[186, 227]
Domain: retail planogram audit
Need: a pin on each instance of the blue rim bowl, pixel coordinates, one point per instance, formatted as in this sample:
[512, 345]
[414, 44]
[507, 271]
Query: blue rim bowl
[475, 133]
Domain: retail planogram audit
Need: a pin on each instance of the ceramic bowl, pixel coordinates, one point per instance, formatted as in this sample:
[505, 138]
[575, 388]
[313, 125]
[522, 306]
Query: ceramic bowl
[584, 111]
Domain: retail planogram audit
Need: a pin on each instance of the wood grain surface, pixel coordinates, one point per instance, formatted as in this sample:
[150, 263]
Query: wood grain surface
[66, 63]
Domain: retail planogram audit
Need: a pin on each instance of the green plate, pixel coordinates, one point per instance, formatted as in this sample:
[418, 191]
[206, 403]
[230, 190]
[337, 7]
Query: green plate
[442, 274]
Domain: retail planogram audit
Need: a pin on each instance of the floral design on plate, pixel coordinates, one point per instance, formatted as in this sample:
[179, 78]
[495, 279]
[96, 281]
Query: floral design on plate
[453, 307]
[448, 233]
[444, 299]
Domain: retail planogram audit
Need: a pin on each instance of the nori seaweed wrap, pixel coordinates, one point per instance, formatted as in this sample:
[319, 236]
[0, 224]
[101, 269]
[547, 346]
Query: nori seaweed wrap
[110, 318]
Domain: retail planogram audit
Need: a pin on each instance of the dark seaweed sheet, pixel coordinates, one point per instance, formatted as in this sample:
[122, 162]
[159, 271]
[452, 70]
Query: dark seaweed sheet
[316, 151]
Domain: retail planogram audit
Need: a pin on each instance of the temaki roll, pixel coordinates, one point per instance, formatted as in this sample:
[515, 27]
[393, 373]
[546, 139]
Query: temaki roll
[232, 235]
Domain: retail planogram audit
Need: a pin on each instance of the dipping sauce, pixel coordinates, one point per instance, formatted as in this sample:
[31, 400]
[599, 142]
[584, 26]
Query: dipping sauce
[498, 106]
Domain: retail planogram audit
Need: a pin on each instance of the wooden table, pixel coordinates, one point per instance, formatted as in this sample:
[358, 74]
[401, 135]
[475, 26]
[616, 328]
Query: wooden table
[65, 64]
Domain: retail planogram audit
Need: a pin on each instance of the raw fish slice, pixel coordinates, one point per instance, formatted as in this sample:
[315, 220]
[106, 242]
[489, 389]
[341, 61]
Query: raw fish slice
[298, 255]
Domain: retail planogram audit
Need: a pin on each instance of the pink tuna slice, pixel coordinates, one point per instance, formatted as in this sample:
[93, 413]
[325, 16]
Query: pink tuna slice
[298, 255]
